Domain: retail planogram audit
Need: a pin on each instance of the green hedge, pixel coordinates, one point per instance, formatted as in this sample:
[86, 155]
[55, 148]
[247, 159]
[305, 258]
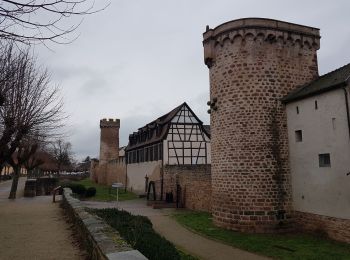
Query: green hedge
[76, 188]
[139, 233]
[79, 189]
[90, 192]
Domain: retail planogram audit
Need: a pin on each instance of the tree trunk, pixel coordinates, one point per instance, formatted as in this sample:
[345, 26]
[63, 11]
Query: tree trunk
[1, 168]
[14, 182]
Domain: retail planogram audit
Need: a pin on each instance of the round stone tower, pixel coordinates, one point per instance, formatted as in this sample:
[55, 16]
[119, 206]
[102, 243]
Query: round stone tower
[109, 143]
[253, 63]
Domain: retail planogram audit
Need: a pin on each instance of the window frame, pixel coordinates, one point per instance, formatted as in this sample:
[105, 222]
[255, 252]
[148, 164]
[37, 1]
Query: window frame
[298, 136]
[324, 160]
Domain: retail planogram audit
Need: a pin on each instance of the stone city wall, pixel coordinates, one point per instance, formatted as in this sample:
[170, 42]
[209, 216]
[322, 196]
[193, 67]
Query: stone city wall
[109, 173]
[335, 228]
[195, 183]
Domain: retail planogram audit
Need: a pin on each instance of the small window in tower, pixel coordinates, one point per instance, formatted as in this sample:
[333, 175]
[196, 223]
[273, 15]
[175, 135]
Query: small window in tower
[316, 105]
[333, 123]
[298, 136]
[297, 110]
[324, 160]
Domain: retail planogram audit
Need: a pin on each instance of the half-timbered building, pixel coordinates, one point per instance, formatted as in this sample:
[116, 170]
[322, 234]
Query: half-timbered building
[176, 138]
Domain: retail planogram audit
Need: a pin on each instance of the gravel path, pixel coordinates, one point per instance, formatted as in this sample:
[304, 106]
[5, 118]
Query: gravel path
[165, 225]
[34, 228]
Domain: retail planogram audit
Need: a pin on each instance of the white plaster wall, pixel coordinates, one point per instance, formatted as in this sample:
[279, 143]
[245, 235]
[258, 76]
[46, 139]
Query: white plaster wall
[165, 152]
[137, 172]
[320, 190]
[209, 153]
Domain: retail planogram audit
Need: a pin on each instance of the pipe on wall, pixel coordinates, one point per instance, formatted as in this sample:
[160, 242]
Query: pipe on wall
[347, 107]
[347, 113]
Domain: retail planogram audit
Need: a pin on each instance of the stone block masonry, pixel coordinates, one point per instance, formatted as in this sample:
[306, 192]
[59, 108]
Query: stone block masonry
[109, 168]
[110, 172]
[109, 143]
[253, 63]
[334, 228]
[40, 186]
[100, 240]
[195, 183]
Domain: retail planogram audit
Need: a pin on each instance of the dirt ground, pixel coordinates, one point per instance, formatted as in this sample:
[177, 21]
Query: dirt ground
[34, 228]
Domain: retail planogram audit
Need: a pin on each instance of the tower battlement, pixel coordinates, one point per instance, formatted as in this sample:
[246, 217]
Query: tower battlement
[109, 123]
[259, 30]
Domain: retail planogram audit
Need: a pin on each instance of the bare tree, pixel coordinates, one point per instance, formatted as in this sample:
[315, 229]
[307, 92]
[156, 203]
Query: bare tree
[31, 106]
[24, 157]
[32, 161]
[7, 68]
[31, 21]
[62, 152]
[84, 165]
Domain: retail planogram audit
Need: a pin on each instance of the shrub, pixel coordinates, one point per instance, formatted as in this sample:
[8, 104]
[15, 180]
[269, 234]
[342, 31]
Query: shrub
[75, 187]
[90, 192]
[139, 233]
[79, 189]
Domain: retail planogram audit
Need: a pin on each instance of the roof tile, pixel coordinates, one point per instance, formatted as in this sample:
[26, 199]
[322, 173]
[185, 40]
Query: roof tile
[329, 81]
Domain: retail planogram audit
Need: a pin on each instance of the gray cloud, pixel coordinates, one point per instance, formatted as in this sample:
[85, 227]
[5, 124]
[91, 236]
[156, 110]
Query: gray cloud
[139, 59]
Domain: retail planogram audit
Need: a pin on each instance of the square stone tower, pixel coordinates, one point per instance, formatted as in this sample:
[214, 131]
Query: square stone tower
[253, 63]
[109, 143]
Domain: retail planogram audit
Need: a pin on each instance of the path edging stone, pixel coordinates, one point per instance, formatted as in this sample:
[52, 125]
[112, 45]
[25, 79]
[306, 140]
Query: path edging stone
[100, 240]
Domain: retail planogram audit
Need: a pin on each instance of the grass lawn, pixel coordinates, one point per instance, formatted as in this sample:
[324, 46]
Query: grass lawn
[291, 246]
[103, 193]
[186, 256]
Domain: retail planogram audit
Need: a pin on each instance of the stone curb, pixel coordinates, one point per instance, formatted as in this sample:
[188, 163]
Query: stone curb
[100, 240]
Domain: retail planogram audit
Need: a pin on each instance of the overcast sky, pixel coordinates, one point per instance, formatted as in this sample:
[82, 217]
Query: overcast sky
[139, 59]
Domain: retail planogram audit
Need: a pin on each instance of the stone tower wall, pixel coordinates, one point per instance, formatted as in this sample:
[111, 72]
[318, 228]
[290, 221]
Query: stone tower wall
[111, 172]
[253, 63]
[109, 143]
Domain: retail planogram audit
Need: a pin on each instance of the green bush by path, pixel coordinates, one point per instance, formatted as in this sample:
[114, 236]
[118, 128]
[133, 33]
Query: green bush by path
[103, 192]
[75, 187]
[280, 246]
[139, 233]
[90, 192]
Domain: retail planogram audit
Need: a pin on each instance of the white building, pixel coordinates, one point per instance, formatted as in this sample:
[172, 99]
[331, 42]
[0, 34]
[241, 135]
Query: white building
[176, 138]
[319, 145]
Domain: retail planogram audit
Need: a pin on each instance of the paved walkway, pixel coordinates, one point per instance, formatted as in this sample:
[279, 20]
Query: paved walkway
[5, 188]
[196, 245]
[34, 228]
